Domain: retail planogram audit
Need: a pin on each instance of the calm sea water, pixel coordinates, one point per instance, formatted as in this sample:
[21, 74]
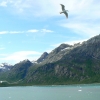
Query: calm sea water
[63, 92]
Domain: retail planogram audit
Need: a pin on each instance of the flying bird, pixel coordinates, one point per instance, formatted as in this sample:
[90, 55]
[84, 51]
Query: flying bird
[63, 10]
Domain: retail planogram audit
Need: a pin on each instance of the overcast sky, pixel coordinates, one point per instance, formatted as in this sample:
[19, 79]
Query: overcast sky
[30, 27]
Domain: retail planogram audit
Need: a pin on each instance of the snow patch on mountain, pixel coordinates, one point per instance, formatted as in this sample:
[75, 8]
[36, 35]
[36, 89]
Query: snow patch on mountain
[5, 67]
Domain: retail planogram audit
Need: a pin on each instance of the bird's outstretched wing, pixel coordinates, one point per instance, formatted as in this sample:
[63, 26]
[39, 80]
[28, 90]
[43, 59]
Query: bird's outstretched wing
[63, 7]
[66, 14]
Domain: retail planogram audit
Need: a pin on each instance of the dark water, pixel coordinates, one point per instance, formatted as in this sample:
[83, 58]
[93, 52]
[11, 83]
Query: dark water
[66, 92]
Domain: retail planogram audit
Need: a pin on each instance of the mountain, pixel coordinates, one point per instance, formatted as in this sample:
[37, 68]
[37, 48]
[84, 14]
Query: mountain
[43, 57]
[57, 53]
[5, 67]
[19, 70]
[66, 64]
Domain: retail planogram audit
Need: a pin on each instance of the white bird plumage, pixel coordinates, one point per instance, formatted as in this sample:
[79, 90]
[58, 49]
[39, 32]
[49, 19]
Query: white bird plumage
[63, 10]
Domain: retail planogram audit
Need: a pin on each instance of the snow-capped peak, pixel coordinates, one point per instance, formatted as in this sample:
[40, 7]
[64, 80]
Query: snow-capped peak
[5, 66]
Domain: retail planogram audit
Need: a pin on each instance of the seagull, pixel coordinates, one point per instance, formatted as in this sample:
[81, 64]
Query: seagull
[63, 10]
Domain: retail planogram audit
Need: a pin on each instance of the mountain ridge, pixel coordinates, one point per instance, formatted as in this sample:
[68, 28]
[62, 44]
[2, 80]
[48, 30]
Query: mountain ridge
[66, 64]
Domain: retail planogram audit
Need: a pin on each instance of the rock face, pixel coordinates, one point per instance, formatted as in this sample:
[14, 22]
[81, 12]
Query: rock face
[43, 57]
[66, 64]
[57, 53]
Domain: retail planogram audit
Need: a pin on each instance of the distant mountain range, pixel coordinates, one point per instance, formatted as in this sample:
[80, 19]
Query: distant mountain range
[66, 64]
[5, 67]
